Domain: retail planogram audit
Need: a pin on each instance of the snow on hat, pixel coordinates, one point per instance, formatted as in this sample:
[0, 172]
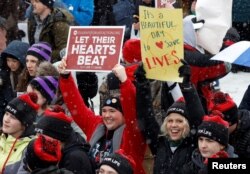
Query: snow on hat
[46, 85]
[41, 50]
[215, 128]
[179, 107]
[113, 102]
[55, 124]
[24, 108]
[48, 3]
[224, 103]
[42, 152]
[132, 50]
[120, 162]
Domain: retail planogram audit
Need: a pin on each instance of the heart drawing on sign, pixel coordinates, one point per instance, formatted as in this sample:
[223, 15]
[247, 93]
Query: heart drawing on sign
[159, 44]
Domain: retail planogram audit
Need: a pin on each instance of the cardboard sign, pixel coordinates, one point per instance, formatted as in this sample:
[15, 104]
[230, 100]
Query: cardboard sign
[161, 33]
[162, 3]
[95, 48]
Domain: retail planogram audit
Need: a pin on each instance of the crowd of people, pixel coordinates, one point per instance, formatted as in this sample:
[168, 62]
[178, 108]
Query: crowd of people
[48, 124]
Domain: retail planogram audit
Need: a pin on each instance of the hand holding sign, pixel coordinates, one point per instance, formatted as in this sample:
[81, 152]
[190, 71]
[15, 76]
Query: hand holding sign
[61, 68]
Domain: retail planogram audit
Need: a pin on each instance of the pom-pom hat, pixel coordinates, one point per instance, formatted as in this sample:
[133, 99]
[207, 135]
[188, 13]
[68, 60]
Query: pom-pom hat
[24, 108]
[132, 50]
[215, 128]
[54, 123]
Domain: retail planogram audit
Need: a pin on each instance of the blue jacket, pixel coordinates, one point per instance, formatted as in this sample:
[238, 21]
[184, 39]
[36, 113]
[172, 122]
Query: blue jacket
[82, 10]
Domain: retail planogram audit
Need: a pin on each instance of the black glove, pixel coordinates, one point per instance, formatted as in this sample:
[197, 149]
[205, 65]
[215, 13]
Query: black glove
[185, 72]
[140, 74]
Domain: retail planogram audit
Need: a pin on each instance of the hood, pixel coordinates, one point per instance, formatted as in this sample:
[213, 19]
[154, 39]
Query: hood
[190, 37]
[16, 49]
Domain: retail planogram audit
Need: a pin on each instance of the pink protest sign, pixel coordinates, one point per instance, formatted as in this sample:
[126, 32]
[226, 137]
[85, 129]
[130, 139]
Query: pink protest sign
[94, 48]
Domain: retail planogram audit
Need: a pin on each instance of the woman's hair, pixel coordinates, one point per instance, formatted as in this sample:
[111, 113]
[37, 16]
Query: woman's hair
[24, 78]
[184, 133]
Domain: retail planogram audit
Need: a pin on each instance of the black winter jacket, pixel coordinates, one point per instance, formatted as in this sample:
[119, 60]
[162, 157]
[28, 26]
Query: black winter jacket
[75, 155]
[165, 160]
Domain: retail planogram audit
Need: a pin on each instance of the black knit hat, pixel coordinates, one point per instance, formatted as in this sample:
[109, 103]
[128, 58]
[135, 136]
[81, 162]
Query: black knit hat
[119, 162]
[178, 107]
[46, 85]
[113, 102]
[42, 152]
[24, 108]
[41, 50]
[215, 128]
[48, 3]
[54, 123]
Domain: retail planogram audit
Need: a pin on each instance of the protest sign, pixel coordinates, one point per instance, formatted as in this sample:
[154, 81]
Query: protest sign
[94, 48]
[161, 42]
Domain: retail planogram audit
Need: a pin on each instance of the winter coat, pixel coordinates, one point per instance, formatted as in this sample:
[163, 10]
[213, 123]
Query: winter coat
[240, 138]
[165, 160]
[241, 11]
[75, 155]
[55, 30]
[9, 11]
[14, 160]
[8, 89]
[74, 158]
[127, 137]
[245, 102]
[52, 170]
[197, 166]
[82, 10]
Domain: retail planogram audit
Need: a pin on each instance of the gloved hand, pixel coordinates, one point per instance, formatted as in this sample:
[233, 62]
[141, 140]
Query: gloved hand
[140, 74]
[185, 72]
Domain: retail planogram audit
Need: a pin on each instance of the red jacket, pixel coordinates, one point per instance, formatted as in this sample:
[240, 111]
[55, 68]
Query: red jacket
[132, 141]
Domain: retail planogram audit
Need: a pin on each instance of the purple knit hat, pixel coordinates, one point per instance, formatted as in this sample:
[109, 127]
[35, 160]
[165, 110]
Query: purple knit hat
[46, 85]
[41, 50]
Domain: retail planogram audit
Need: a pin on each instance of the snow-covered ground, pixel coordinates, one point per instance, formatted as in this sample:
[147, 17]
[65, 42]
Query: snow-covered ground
[235, 85]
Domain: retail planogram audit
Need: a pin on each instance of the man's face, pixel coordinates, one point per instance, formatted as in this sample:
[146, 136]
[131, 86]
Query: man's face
[38, 7]
[3, 39]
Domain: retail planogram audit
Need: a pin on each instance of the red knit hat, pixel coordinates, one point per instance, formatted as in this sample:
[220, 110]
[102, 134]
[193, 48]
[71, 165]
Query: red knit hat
[42, 152]
[132, 50]
[224, 103]
[55, 123]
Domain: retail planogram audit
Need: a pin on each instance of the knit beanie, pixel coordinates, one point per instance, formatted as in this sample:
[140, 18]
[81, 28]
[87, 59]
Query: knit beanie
[215, 128]
[41, 50]
[24, 108]
[48, 3]
[121, 163]
[224, 103]
[132, 50]
[179, 107]
[46, 85]
[42, 152]
[113, 102]
[54, 123]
